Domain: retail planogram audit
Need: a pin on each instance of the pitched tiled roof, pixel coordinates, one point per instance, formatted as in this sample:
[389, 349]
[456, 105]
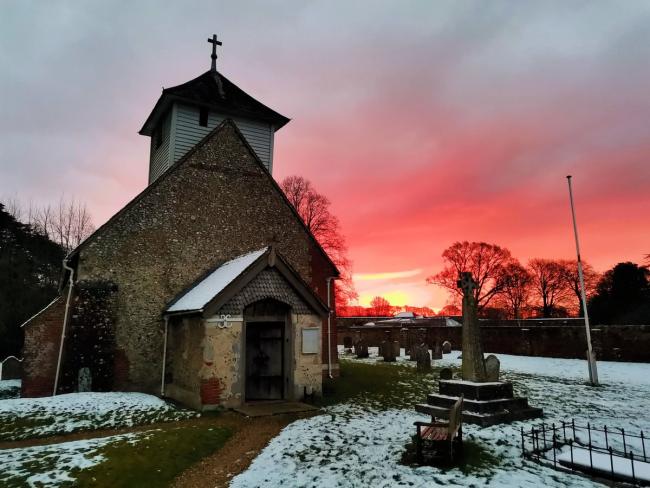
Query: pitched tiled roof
[214, 91]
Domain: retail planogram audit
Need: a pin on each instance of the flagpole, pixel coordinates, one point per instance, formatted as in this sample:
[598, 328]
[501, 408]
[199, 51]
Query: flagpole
[593, 370]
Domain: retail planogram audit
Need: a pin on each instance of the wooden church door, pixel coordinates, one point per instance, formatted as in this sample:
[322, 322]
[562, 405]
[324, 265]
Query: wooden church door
[265, 360]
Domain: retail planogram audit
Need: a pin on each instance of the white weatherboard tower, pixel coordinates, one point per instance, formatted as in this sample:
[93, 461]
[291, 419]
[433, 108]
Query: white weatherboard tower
[185, 114]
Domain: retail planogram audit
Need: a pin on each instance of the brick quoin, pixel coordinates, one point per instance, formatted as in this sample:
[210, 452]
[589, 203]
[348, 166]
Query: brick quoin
[211, 391]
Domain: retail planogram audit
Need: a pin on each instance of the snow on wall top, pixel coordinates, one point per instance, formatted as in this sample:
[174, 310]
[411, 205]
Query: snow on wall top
[213, 284]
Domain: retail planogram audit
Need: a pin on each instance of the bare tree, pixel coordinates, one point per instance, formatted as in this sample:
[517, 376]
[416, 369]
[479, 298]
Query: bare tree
[572, 281]
[14, 207]
[548, 284]
[68, 223]
[485, 261]
[516, 288]
[314, 210]
[380, 306]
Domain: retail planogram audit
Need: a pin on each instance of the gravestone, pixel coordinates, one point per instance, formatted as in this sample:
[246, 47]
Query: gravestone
[84, 380]
[396, 349]
[361, 349]
[436, 351]
[446, 347]
[388, 351]
[347, 342]
[492, 367]
[404, 339]
[417, 337]
[423, 358]
[11, 368]
[445, 374]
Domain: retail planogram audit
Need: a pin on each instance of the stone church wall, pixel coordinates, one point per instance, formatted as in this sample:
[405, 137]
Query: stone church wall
[184, 361]
[222, 368]
[90, 338]
[308, 370]
[217, 204]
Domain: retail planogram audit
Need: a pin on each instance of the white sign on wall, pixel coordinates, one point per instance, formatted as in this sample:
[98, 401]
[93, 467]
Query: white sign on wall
[223, 321]
[311, 340]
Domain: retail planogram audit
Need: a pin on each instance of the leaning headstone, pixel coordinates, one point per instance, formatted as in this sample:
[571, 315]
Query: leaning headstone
[492, 367]
[423, 358]
[361, 349]
[445, 374]
[446, 347]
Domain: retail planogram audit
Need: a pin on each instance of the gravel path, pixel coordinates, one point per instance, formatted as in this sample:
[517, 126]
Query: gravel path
[251, 435]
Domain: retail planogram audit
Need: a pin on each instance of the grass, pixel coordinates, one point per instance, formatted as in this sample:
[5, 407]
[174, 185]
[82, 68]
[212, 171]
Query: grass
[151, 458]
[43, 421]
[381, 385]
[154, 461]
[8, 392]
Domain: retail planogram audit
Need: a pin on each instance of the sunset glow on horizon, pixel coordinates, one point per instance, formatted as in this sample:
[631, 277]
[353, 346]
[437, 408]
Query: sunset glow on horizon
[423, 123]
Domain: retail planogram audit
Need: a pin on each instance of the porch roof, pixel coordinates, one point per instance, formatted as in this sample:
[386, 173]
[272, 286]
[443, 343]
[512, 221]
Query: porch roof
[213, 290]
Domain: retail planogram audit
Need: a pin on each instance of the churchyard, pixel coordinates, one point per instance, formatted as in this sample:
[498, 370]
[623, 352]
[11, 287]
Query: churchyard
[361, 436]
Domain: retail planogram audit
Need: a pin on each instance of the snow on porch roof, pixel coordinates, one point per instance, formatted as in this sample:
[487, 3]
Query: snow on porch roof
[197, 297]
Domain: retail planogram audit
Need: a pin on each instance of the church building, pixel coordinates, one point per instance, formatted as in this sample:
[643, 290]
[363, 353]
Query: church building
[207, 287]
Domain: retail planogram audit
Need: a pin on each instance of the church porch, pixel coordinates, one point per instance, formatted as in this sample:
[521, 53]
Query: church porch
[261, 343]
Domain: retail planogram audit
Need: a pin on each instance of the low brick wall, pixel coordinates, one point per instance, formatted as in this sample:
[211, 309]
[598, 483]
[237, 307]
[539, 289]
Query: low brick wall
[611, 342]
[41, 350]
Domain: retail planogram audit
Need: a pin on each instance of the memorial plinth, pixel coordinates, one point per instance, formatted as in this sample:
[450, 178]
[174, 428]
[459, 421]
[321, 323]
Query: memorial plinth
[484, 404]
[486, 401]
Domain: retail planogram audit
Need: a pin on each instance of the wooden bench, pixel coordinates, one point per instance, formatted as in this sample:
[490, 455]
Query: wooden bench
[441, 437]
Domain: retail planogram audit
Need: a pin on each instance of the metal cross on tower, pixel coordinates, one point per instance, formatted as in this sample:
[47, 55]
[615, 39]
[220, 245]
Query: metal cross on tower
[214, 43]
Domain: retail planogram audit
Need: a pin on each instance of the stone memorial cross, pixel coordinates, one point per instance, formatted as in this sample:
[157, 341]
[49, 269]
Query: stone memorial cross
[473, 366]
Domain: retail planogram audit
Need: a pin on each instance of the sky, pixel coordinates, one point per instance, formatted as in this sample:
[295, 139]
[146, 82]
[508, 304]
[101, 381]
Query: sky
[424, 122]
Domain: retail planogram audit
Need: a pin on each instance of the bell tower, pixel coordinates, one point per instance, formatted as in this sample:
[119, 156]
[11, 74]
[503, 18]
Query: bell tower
[185, 114]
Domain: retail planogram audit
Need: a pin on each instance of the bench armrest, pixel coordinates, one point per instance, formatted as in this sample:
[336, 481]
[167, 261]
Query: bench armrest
[431, 424]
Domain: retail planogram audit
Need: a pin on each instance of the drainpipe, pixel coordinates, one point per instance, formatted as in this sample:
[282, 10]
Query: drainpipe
[329, 327]
[164, 359]
[65, 323]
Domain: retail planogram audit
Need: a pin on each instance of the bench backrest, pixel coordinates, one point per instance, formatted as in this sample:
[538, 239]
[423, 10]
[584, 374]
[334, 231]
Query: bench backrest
[456, 416]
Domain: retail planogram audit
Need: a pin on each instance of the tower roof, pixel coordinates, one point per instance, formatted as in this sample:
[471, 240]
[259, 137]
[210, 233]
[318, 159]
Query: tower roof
[216, 92]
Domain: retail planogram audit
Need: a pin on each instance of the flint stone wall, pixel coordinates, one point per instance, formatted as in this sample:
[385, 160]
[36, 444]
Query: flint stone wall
[218, 204]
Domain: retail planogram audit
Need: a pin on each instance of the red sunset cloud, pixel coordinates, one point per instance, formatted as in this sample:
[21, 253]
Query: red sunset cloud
[423, 123]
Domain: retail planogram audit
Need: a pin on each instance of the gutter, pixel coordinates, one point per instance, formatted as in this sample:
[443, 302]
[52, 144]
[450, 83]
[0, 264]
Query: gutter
[329, 326]
[65, 323]
[164, 358]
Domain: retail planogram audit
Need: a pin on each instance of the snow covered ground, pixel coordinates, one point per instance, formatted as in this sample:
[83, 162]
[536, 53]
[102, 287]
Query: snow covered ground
[359, 444]
[54, 464]
[9, 389]
[24, 418]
